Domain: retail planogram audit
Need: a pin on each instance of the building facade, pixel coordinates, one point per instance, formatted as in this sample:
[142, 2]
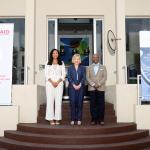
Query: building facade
[43, 25]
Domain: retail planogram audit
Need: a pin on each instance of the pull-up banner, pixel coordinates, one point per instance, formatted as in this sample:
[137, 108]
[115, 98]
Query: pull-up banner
[6, 55]
[145, 64]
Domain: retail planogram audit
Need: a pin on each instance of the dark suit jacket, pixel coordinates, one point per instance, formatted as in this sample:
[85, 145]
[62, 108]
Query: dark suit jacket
[72, 75]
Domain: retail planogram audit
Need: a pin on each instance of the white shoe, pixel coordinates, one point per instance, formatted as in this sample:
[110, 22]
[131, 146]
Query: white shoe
[57, 122]
[79, 123]
[72, 122]
[52, 123]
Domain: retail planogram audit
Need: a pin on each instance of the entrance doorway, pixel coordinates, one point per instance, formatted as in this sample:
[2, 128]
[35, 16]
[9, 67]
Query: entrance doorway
[76, 35]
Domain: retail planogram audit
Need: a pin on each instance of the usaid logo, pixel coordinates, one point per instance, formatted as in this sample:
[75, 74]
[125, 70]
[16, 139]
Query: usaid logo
[4, 32]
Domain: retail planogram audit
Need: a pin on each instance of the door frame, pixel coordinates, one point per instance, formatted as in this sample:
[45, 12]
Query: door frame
[100, 18]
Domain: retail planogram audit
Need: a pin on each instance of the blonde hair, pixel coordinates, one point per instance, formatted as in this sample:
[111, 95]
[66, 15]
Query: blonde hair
[76, 56]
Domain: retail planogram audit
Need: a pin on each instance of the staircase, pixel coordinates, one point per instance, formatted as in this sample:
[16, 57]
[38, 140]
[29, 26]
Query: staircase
[109, 111]
[42, 136]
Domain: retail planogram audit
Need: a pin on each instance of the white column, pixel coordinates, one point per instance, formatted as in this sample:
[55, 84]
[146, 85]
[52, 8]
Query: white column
[30, 42]
[121, 47]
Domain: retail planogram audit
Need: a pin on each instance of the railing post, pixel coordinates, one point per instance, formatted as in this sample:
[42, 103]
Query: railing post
[138, 89]
[26, 74]
[125, 73]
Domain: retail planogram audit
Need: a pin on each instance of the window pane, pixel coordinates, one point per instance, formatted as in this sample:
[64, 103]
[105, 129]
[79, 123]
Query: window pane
[51, 35]
[99, 38]
[18, 49]
[133, 26]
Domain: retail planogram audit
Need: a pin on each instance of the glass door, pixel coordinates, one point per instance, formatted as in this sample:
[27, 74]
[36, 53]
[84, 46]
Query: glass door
[52, 34]
[59, 29]
[98, 38]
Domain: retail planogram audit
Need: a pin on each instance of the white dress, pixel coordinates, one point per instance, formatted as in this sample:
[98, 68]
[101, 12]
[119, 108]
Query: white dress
[54, 95]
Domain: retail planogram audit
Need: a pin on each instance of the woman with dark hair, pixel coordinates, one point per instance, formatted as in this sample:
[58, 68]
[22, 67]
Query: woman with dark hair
[55, 75]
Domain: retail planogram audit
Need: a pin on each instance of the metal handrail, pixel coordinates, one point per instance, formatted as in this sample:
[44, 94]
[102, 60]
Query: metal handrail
[26, 74]
[125, 73]
[139, 90]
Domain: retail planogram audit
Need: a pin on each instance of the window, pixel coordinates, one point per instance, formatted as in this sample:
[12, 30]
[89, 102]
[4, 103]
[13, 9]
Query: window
[133, 26]
[18, 48]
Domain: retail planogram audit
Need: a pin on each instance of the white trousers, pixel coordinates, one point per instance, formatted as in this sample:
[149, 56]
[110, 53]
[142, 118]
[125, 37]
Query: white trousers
[54, 102]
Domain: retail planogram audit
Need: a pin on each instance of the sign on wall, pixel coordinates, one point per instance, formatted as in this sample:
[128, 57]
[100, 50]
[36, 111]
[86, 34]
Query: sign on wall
[6, 55]
[145, 64]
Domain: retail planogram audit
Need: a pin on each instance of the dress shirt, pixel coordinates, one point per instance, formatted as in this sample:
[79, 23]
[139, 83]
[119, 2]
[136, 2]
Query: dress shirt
[96, 67]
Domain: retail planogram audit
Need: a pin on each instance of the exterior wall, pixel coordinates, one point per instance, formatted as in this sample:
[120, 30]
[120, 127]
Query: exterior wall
[110, 95]
[14, 8]
[8, 118]
[142, 113]
[137, 8]
[30, 37]
[28, 98]
[124, 98]
[67, 9]
[41, 96]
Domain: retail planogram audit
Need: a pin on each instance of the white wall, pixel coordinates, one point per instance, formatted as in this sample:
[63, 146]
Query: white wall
[110, 95]
[8, 118]
[142, 116]
[41, 96]
[28, 98]
[12, 8]
[124, 98]
[137, 7]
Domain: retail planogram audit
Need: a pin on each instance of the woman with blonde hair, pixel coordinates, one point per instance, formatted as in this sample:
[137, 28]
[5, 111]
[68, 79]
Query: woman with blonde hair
[76, 78]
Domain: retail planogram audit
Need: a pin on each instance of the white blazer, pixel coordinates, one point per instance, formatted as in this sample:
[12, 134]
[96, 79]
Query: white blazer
[55, 72]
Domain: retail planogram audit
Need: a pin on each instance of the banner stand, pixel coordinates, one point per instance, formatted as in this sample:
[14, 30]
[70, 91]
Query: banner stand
[6, 59]
[145, 65]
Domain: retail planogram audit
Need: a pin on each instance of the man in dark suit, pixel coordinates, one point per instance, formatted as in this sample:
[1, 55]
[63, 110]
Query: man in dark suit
[96, 76]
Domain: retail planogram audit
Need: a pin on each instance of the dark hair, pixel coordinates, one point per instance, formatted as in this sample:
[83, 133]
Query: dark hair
[50, 59]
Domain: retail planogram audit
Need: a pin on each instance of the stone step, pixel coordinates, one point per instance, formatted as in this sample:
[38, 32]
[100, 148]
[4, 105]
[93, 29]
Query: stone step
[146, 149]
[77, 130]
[76, 139]
[131, 145]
